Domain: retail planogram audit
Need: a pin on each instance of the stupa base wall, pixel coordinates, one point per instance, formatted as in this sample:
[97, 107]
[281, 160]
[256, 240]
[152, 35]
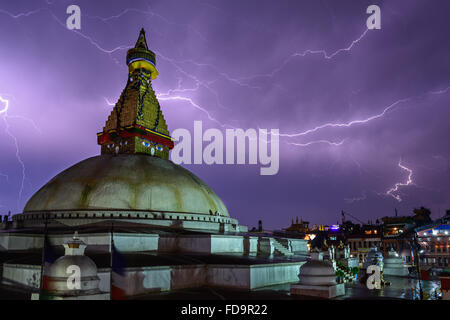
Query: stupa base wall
[154, 279]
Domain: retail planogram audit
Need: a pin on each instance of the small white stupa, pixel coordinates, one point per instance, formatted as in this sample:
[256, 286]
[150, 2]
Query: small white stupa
[318, 279]
[393, 265]
[374, 257]
[74, 275]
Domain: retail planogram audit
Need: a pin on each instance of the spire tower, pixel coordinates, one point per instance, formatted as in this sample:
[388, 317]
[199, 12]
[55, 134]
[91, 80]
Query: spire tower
[136, 124]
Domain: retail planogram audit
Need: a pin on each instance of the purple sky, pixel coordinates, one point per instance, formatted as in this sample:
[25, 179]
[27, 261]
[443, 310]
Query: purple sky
[236, 60]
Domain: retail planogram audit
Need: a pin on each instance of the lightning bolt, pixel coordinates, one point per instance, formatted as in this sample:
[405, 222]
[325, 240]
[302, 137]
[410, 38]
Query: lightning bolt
[20, 15]
[149, 13]
[241, 81]
[347, 124]
[396, 186]
[365, 120]
[4, 176]
[331, 56]
[356, 199]
[195, 105]
[108, 102]
[306, 53]
[90, 39]
[336, 144]
[4, 115]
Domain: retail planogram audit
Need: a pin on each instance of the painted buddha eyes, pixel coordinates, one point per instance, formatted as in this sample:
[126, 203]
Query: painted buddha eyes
[122, 144]
[153, 146]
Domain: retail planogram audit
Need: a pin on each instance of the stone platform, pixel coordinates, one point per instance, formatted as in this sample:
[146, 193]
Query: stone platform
[98, 296]
[327, 292]
[151, 273]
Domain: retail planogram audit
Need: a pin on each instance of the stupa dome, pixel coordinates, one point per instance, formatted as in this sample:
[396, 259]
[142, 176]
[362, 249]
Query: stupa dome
[127, 182]
[74, 257]
[87, 266]
[317, 272]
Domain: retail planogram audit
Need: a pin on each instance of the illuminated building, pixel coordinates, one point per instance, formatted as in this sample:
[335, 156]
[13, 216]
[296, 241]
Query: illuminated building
[361, 244]
[434, 241]
[301, 227]
[398, 233]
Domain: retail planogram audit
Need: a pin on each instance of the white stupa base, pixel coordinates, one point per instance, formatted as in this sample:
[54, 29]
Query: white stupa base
[95, 296]
[327, 292]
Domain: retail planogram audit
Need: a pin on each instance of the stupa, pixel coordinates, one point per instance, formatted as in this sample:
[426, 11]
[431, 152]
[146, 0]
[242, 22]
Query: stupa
[58, 279]
[374, 257]
[318, 279]
[133, 179]
[171, 228]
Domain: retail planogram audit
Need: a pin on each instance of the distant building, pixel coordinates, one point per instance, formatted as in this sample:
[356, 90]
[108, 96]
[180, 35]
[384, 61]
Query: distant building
[299, 227]
[360, 244]
[360, 238]
[434, 241]
[398, 232]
